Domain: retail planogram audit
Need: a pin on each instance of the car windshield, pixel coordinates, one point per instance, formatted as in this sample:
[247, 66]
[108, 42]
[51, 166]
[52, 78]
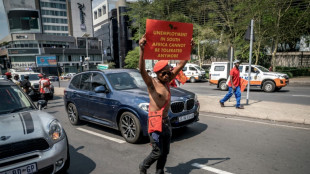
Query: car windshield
[13, 100]
[32, 77]
[263, 69]
[197, 67]
[126, 80]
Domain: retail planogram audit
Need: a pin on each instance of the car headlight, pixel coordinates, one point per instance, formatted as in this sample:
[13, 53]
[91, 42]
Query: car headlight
[55, 131]
[144, 106]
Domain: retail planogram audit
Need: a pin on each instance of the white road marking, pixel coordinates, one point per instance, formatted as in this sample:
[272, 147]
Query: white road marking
[301, 95]
[211, 169]
[258, 122]
[102, 136]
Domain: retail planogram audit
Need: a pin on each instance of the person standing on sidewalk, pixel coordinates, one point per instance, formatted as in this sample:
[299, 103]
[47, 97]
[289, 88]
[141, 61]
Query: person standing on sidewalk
[159, 127]
[44, 86]
[234, 86]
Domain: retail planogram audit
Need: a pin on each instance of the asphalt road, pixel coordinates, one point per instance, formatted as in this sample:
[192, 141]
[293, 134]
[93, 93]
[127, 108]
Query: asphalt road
[215, 143]
[289, 94]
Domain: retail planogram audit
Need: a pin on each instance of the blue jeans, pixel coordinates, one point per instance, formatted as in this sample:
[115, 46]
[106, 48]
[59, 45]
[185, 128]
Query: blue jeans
[237, 93]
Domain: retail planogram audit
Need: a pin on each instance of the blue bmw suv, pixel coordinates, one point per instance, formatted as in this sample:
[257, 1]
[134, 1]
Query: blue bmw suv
[118, 98]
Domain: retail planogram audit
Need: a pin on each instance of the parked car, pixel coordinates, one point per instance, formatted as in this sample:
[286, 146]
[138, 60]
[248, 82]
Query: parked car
[118, 98]
[67, 76]
[31, 140]
[53, 78]
[193, 72]
[260, 77]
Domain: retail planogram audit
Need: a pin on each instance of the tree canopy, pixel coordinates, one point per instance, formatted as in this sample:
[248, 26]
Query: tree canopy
[218, 24]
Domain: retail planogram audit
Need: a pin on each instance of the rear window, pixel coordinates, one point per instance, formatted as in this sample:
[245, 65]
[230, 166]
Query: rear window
[219, 68]
[75, 82]
[85, 81]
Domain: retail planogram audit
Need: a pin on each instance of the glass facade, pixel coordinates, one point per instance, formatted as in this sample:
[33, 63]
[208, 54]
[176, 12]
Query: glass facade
[23, 20]
[55, 28]
[55, 20]
[54, 12]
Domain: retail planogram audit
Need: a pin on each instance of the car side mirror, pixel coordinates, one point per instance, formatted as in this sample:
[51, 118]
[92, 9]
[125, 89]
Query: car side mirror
[101, 89]
[41, 104]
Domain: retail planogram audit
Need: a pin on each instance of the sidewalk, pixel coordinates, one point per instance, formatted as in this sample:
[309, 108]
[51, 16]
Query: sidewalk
[304, 81]
[293, 113]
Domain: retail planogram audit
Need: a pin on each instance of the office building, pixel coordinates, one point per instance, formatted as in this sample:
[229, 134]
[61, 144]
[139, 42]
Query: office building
[111, 25]
[49, 27]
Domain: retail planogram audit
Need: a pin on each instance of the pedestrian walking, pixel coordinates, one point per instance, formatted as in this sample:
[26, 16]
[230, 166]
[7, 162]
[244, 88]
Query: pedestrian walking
[159, 127]
[234, 86]
[44, 86]
[8, 75]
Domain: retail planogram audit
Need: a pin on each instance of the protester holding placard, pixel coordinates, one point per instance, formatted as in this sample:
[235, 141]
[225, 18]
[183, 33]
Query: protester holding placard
[159, 127]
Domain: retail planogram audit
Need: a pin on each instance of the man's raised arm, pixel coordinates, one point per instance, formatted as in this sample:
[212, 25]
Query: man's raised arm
[147, 79]
[181, 65]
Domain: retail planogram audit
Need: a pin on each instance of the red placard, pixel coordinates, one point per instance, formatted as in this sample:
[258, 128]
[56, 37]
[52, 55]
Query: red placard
[168, 40]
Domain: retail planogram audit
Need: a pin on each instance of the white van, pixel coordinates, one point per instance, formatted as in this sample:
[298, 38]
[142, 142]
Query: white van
[193, 72]
[260, 76]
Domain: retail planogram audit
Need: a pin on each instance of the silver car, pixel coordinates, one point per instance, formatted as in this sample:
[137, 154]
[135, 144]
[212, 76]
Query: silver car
[31, 141]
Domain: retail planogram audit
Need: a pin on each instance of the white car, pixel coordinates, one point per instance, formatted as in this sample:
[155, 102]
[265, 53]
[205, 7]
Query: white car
[67, 76]
[260, 77]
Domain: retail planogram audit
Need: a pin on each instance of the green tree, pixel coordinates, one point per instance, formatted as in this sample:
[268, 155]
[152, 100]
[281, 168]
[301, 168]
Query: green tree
[132, 58]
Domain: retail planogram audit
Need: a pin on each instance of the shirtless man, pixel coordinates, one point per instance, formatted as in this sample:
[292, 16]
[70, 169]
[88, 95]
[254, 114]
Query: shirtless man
[159, 93]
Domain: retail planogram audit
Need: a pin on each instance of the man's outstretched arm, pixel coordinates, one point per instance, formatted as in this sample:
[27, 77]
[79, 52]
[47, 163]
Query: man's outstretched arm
[147, 79]
[181, 65]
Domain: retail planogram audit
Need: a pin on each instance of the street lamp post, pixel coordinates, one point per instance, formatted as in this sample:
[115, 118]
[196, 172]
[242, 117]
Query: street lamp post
[63, 59]
[87, 58]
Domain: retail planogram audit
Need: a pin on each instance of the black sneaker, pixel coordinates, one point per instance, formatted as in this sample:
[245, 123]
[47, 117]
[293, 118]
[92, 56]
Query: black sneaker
[240, 107]
[222, 104]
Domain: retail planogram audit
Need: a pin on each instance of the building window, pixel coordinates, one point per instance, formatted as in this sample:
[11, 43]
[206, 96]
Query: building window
[99, 12]
[95, 14]
[104, 9]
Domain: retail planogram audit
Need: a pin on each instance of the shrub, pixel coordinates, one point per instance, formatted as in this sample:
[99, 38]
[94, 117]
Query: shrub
[294, 71]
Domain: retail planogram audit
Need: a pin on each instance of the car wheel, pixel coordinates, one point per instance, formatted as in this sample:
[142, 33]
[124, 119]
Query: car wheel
[73, 114]
[269, 86]
[192, 80]
[130, 128]
[223, 86]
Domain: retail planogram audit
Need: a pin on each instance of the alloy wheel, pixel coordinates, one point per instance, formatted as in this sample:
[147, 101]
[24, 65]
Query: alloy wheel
[128, 127]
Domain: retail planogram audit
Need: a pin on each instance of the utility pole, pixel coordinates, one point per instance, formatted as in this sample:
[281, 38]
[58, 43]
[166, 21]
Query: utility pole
[250, 60]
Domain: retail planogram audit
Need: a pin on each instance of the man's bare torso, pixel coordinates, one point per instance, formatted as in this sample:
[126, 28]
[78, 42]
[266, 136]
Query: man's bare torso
[159, 95]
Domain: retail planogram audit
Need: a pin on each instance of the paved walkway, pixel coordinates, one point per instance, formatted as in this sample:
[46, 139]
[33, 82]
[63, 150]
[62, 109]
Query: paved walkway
[285, 112]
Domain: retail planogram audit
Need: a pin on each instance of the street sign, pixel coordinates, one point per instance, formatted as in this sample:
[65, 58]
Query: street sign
[102, 66]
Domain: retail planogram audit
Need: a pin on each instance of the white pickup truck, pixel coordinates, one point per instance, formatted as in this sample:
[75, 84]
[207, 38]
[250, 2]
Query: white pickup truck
[260, 77]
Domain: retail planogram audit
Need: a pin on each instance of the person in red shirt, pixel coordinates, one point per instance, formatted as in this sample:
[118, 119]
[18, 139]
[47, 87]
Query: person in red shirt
[44, 87]
[234, 87]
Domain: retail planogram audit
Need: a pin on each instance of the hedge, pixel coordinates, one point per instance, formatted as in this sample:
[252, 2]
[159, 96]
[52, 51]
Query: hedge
[294, 71]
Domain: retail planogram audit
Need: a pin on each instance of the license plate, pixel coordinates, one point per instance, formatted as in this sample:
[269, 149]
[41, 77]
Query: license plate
[28, 169]
[186, 117]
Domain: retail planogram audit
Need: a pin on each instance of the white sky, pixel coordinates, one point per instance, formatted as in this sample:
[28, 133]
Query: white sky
[3, 22]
